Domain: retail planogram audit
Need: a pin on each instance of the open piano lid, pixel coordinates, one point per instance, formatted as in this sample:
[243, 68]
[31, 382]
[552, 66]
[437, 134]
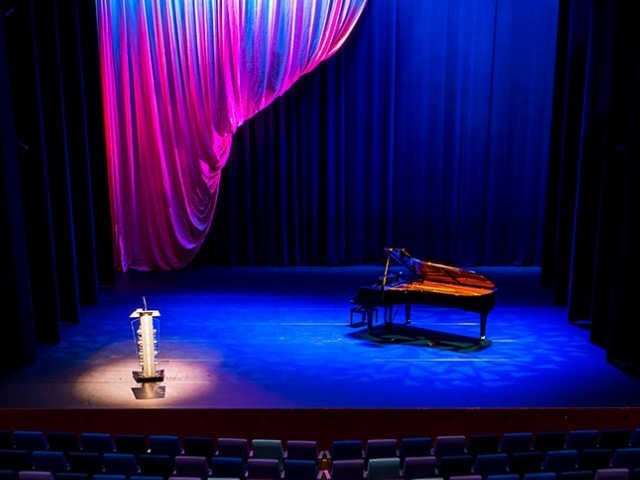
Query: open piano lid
[437, 272]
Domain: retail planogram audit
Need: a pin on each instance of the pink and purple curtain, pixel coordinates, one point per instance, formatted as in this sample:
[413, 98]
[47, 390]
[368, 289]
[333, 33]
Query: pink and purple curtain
[178, 78]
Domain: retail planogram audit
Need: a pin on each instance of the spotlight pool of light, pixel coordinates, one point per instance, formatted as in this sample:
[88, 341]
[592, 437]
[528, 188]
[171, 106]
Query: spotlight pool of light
[190, 371]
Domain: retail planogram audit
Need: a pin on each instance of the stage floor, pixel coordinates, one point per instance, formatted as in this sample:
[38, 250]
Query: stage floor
[280, 338]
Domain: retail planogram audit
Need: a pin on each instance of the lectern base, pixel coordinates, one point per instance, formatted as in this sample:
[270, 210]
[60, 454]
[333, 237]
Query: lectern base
[148, 391]
[140, 378]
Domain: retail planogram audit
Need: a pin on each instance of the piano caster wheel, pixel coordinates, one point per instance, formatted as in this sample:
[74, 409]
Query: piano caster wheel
[482, 339]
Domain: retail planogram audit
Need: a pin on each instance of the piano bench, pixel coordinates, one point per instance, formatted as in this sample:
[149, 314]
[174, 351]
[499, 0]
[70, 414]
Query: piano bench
[368, 315]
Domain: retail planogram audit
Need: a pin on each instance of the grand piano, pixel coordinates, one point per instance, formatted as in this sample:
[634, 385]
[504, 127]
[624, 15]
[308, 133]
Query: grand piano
[427, 283]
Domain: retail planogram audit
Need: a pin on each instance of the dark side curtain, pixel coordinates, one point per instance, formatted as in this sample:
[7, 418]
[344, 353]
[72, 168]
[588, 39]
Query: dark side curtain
[590, 247]
[429, 130]
[55, 219]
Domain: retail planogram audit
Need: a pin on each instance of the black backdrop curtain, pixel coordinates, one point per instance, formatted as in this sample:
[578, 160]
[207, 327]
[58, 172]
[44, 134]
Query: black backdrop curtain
[55, 219]
[429, 130]
[591, 240]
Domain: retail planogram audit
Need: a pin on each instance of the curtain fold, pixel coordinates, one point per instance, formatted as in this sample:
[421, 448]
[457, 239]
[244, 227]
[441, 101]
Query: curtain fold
[429, 130]
[591, 253]
[178, 79]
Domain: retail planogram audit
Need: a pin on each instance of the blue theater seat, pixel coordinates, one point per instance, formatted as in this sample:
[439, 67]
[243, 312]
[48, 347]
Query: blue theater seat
[233, 447]
[227, 467]
[352, 469]
[29, 440]
[383, 468]
[199, 446]
[346, 449]
[381, 448]
[419, 467]
[63, 441]
[164, 445]
[300, 469]
[191, 466]
[49, 460]
[98, 442]
[120, 464]
[560, 461]
[302, 450]
[131, 443]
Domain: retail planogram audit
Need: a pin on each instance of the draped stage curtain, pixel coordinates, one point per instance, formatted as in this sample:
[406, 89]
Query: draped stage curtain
[591, 243]
[179, 77]
[54, 212]
[430, 130]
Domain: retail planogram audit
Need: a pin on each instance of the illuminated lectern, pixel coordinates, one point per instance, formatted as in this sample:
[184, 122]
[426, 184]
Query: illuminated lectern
[146, 343]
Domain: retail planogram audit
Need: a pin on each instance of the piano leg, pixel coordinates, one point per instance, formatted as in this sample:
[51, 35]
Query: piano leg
[388, 315]
[483, 325]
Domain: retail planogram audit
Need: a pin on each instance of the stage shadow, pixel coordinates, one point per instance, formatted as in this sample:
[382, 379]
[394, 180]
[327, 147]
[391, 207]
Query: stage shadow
[403, 334]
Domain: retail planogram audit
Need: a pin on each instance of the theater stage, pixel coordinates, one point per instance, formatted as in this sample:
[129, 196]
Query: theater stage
[280, 338]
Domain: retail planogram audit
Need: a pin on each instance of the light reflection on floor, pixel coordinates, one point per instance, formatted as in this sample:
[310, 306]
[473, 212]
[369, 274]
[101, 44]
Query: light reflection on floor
[280, 338]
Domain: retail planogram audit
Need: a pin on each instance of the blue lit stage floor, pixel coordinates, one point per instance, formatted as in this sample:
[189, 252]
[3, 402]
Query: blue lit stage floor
[280, 337]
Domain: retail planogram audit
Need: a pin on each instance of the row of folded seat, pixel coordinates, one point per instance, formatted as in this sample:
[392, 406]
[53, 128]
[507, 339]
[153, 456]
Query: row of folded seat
[377, 469]
[577, 452]
[171, 445]
[491, 464]
[473, 445]
[164, 466]
[410, 468]
[174, 445]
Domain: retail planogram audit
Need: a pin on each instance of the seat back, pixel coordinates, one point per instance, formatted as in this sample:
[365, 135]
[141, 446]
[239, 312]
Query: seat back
[545, 441]
[483, 443]
[611, 474]
[227, 467]
[63, 441]
[96, 442]
[419, 467]
[352, 469]
[302, 450]
[199, 446]
[50, 461]
[263, 468]
[346, 449]
[300, 469]
[191, 466]
[131, 443]
[165, 445]
[614, 438]
[30, 440]
[581, 439]
[85, 462]
[11, 459]
[594, 458]
[491, 464]
[267, 448]
[233, 447]
[414, 447]
[560, 461]
[445, 445]
[120, 463]
[516, 442]
[626, 458]
[381, 448]
[526, 462]
[383, 468]
[35, 475]
[155, 465]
